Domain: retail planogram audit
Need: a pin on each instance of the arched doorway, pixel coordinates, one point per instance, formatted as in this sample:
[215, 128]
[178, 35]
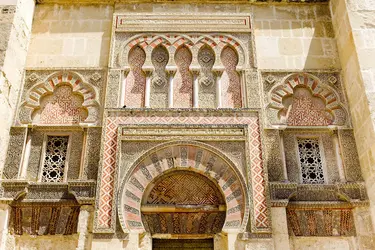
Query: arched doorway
[184, 190]
[185, 206]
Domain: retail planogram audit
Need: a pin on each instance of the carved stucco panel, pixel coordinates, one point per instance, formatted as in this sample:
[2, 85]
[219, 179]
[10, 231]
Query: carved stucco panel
[14, 154]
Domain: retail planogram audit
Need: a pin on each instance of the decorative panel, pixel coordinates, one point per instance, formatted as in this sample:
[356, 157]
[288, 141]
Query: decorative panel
[92, 154]
[206, 79]
[159, 79]
[14, 153]
[61, 107]
[320, 222]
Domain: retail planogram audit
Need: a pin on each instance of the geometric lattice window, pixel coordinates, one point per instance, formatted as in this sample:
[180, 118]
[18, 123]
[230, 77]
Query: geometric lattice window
[55, 159]
[311, 161]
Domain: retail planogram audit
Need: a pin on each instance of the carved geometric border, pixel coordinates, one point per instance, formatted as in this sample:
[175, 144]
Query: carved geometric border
[105, 216]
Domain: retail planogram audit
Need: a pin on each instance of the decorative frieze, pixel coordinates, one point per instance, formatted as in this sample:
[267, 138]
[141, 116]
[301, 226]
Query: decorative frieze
[201, 22]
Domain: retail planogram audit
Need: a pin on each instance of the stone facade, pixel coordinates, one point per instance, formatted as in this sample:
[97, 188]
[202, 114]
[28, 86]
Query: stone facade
[219, 124]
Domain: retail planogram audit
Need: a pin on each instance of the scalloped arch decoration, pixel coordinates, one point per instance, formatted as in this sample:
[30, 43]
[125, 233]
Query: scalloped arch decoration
[48, 86]
[323, 106]
[196, 157]
[174, 40]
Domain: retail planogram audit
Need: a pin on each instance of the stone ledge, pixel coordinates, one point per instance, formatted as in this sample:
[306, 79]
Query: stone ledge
[351, 193]
[82, 192]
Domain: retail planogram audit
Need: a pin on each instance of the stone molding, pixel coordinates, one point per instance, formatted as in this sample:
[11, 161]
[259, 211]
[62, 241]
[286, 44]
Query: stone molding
[179, 1]
[202, 22]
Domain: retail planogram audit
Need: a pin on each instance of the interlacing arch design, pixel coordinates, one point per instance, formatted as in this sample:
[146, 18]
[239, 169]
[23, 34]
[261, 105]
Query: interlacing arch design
[194, 42]
[36, 94]
[303, 100]
[190, 156]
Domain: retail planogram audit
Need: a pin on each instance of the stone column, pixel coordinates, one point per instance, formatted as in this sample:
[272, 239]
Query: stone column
[85, 226]
[280, 228]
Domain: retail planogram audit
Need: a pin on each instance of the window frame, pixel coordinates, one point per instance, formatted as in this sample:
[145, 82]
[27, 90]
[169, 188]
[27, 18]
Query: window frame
[322, 156]
[43, 155]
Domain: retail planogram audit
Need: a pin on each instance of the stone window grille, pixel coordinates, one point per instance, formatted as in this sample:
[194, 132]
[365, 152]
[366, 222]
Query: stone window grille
[310, 161]
[55, 158]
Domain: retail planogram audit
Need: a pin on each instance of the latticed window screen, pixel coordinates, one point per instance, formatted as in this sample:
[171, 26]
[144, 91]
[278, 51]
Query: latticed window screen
[55, 159]
[311, 161]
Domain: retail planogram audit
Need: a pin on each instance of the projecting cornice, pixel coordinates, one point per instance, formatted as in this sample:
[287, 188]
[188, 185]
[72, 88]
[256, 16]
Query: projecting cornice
[176, 1]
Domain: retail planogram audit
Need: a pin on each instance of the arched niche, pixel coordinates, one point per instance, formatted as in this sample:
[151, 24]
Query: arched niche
[230, 80]
[183, 81]
[136, 79]
[197, 158]
[61, 81]
[60, 107]
[172, 41]
[303, 100]
[183, 202]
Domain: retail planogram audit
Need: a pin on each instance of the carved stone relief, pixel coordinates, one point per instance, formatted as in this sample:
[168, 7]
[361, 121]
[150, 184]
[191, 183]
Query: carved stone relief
[40, 219]
[349, 155]
[60, 107]
[304, 99]
[206, 79]
[14, 153]
[46, 97]
[92, 154]
[273, 159]
[322, 222]
[159, 79]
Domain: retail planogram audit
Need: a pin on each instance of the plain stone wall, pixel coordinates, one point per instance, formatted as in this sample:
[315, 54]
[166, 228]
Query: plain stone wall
[354, 26]
[322, 243]
[25, 242]
[15, 33]
[70, 36]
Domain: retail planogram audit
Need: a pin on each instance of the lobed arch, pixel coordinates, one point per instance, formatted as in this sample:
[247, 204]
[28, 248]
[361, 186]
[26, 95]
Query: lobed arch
[193, 156]
[194, 41]
[287, 88]
[47, 87]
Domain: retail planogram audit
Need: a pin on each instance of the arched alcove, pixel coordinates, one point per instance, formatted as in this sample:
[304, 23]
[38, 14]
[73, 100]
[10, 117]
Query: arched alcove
[60, 107]
[183, 202]
[230, 80]
[136, 80]
[202, 163]
[183, 81]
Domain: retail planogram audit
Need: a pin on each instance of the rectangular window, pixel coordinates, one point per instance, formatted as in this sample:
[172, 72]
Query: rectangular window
[55, 159]
[311, 161]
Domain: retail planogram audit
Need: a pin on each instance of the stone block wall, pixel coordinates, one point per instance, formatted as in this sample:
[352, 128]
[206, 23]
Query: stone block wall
[70, 36]
[287, 38]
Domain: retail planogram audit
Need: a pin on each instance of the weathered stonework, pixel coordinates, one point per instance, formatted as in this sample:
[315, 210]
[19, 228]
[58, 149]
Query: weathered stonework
[223, 124]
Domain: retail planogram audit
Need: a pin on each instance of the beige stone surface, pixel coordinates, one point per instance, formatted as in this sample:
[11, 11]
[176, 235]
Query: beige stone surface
[322, 243]
[46, 242]
[70, 36]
